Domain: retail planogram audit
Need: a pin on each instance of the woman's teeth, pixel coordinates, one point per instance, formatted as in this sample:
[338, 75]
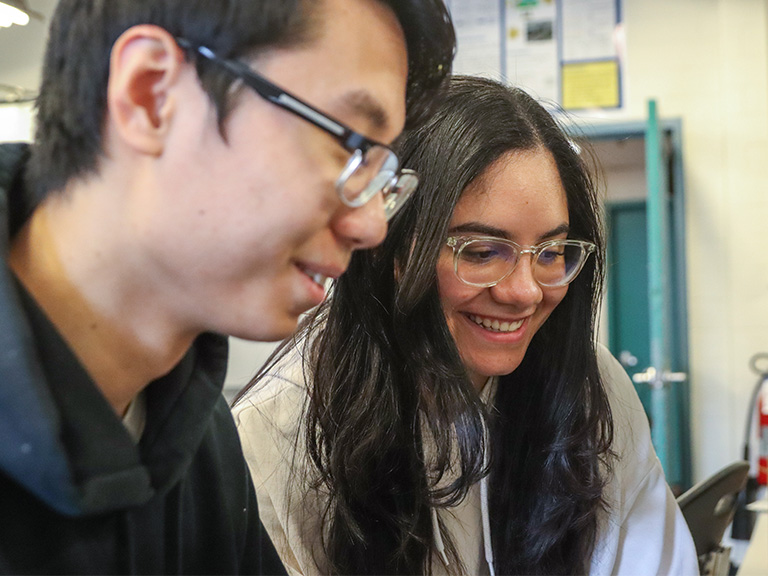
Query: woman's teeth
[495, 325]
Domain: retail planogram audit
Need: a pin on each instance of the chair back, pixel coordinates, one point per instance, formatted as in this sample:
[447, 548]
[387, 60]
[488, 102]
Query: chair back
[709, 506]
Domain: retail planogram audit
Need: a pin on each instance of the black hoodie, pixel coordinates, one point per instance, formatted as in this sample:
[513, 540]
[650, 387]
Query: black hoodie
[77, 495]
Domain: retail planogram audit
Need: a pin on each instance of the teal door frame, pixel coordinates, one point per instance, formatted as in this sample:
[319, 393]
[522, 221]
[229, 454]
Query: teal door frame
[667, 399]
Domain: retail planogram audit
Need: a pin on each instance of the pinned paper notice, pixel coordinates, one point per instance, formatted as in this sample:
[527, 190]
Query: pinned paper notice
[591, 85]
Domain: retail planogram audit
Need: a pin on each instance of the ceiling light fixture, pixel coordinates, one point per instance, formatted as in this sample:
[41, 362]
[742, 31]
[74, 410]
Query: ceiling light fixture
[15, 94]
[16, 12]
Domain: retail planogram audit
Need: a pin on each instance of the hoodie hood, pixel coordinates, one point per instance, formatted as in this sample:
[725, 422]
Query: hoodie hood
[60, 438]
[31, 451]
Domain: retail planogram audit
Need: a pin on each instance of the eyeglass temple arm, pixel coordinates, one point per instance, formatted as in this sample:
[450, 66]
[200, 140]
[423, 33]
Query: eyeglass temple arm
[350, 139]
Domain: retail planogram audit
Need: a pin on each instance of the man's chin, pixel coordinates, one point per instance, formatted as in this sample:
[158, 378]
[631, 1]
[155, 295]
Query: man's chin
[272, 333]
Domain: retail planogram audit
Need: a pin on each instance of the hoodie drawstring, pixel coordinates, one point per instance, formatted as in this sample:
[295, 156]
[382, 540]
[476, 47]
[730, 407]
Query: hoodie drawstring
[487, 546]
[484, 506]
[438, 537]
[486, 520]
[486, 525]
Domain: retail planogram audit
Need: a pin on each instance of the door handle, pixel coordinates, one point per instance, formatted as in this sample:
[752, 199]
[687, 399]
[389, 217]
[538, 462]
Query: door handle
[651, 376]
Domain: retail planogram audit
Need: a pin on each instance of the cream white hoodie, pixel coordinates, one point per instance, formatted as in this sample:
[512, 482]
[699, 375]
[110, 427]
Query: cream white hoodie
[643, 533]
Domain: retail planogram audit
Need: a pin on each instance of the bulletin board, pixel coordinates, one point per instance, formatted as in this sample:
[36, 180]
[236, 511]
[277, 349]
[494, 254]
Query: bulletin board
[568, 52]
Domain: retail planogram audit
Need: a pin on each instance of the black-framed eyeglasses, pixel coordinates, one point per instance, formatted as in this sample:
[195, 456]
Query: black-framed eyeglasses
[484, 261]
[372, 167]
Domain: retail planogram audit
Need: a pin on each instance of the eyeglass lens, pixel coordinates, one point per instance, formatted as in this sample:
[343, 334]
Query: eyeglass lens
[399, 192]
[485, 262]
[374, 171]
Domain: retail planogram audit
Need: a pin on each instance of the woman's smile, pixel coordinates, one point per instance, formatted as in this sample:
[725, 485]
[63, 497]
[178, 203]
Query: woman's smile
[496, 325]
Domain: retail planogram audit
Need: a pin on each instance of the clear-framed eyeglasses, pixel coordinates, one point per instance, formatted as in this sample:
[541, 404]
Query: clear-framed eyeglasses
[484, 261]
[372, 167]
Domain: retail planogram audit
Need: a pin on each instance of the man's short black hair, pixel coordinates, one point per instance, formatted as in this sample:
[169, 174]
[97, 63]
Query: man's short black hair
[71, 107]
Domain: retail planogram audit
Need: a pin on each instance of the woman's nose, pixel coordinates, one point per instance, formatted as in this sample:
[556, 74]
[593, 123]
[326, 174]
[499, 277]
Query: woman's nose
[520, 287]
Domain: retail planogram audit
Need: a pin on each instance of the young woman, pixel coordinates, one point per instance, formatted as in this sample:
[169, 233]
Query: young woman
[447, 409]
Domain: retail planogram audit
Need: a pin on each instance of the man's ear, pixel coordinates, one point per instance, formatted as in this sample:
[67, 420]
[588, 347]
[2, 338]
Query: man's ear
[145, 64]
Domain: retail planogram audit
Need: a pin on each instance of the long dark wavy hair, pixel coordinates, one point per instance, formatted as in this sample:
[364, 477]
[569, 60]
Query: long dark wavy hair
[386, 376]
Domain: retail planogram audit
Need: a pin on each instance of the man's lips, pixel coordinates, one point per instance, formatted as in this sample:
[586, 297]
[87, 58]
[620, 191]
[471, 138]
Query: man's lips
[320, 274]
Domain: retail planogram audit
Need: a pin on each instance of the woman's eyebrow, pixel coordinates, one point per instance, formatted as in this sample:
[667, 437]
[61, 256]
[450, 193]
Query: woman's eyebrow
[564, 228]
[478, 228]
[486, 230]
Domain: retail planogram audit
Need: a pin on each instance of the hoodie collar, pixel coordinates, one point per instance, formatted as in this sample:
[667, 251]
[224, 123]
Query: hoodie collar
[109, 471]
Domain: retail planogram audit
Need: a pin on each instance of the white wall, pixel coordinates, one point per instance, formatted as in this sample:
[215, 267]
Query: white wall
[706, 61]
[244, 359]
[16, 122]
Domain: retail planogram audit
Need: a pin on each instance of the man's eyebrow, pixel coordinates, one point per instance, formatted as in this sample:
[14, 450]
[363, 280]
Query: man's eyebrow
[486, 230]
[364, 104]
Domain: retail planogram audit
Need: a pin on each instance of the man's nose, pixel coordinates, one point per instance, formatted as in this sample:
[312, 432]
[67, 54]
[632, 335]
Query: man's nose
[362, 227]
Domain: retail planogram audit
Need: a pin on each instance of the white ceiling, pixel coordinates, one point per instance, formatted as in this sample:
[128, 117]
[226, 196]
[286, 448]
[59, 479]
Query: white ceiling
[22, 47]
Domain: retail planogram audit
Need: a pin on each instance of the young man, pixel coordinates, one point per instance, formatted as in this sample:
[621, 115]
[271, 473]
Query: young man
[199, 169]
